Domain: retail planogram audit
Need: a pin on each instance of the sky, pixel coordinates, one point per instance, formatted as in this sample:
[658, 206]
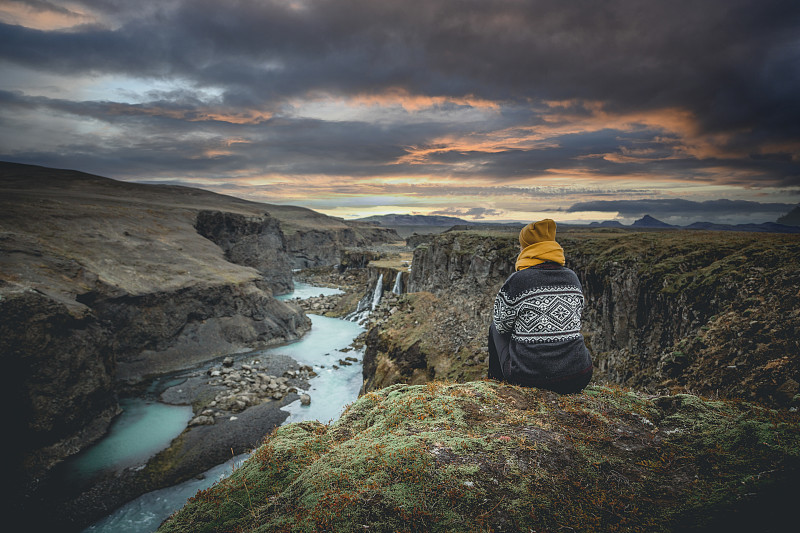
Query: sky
[490, 110]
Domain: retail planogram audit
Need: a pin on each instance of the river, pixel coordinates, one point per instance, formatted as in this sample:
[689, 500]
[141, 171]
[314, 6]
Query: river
[331, 390]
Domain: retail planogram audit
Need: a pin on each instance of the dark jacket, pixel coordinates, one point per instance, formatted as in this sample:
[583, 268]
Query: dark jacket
[537, 326]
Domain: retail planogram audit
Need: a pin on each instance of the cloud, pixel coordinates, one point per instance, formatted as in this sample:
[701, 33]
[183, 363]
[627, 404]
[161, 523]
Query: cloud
[616, 52]
[475, 213]
[614, 95]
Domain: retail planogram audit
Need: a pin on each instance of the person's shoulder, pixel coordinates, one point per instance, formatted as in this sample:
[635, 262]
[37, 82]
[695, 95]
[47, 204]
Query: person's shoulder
[552, 274]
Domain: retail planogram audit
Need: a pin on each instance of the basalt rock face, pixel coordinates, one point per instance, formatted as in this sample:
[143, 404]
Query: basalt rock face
[694, 311]
[677, 310]
[161, 332]
[463, 262]
[310, 248]
[59, 378]
[256, 242]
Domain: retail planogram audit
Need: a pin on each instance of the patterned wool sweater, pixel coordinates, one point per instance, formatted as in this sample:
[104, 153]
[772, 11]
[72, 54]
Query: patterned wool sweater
[538, 310]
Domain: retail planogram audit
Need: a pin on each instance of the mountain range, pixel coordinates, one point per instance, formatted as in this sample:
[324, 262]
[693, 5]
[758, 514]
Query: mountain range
[787, 224]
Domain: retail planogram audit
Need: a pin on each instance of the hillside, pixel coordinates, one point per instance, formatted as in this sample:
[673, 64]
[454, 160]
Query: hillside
[103, 281]
[483, 456]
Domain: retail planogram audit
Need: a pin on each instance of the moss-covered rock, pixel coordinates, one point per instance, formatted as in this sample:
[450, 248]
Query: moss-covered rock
[484, 456]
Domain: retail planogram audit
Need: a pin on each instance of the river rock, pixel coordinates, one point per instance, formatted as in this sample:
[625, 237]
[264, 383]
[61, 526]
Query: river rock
[202, 420]
[305, 399]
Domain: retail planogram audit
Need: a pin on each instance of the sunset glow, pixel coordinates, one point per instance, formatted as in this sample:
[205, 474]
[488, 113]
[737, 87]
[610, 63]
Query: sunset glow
[496, 110]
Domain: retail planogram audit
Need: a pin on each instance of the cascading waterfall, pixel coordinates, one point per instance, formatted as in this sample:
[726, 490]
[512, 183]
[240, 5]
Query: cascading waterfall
[398, 284]
[377, 293]
[367, 304]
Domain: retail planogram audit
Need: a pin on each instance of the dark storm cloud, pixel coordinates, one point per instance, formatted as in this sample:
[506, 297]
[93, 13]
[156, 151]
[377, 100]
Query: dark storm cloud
[675, 207]
[187, 128]
[734, 64]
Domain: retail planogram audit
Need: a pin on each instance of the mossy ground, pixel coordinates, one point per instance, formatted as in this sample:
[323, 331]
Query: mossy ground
[484, 456]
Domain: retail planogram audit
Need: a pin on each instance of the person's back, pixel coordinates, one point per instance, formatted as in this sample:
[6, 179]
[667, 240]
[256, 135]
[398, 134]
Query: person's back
[535, 337]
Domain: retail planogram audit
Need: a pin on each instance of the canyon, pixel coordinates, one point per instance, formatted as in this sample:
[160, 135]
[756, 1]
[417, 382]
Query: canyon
[691, 417]
[105, 283]
[690, 424]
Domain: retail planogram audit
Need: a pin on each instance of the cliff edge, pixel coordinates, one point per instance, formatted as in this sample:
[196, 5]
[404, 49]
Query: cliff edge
[484, 456]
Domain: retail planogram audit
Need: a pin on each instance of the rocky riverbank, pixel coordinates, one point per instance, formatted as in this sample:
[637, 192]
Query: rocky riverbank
[104, 284]
[235, 403]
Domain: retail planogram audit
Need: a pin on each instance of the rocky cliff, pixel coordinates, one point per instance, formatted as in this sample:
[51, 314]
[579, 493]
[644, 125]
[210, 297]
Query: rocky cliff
[103, 281]
[483, 456]
[314, 247]
[257, 242]
[678, 310]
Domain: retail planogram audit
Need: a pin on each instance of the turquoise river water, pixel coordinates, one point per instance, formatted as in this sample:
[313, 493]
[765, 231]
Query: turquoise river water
[145, 427]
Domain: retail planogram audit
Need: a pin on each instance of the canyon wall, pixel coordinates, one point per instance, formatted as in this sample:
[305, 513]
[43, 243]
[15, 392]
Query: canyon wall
[677, 310]
[255, 241]
[311, 247]
[104, 282]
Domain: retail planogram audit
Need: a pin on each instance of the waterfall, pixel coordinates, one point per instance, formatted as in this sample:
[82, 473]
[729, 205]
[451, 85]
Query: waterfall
[367, 304]
[362, 310]
[376, 295]
[398, 284]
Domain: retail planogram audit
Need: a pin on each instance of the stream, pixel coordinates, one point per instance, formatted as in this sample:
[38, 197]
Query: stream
[331, 390]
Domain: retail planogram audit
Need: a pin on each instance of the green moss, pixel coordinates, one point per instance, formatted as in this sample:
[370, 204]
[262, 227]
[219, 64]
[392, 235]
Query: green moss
[484, 456]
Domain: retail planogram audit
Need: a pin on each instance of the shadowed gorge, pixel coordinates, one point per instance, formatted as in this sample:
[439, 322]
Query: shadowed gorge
[104, 283]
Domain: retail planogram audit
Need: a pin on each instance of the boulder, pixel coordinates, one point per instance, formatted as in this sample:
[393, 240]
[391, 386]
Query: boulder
[202, 420]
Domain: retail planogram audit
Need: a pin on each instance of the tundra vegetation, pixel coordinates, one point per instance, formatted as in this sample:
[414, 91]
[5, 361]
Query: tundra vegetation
[484, 456]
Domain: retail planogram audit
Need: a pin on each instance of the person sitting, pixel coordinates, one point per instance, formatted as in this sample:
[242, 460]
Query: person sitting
[535, 337]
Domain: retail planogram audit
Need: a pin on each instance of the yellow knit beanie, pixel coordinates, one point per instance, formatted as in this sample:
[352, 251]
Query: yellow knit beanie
[544, 230]
[538, 242]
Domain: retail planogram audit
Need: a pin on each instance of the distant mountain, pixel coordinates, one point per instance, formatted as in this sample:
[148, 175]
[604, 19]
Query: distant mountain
[413, 220]
[608, 224]
[792, 218]
[649, 222]
[769, 227]
[439, 223]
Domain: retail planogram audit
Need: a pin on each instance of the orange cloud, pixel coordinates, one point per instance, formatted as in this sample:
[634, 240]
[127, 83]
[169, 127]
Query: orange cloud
[43, 17]
[192, 115]
[416, 102]
[398, 97]
[682, 138]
